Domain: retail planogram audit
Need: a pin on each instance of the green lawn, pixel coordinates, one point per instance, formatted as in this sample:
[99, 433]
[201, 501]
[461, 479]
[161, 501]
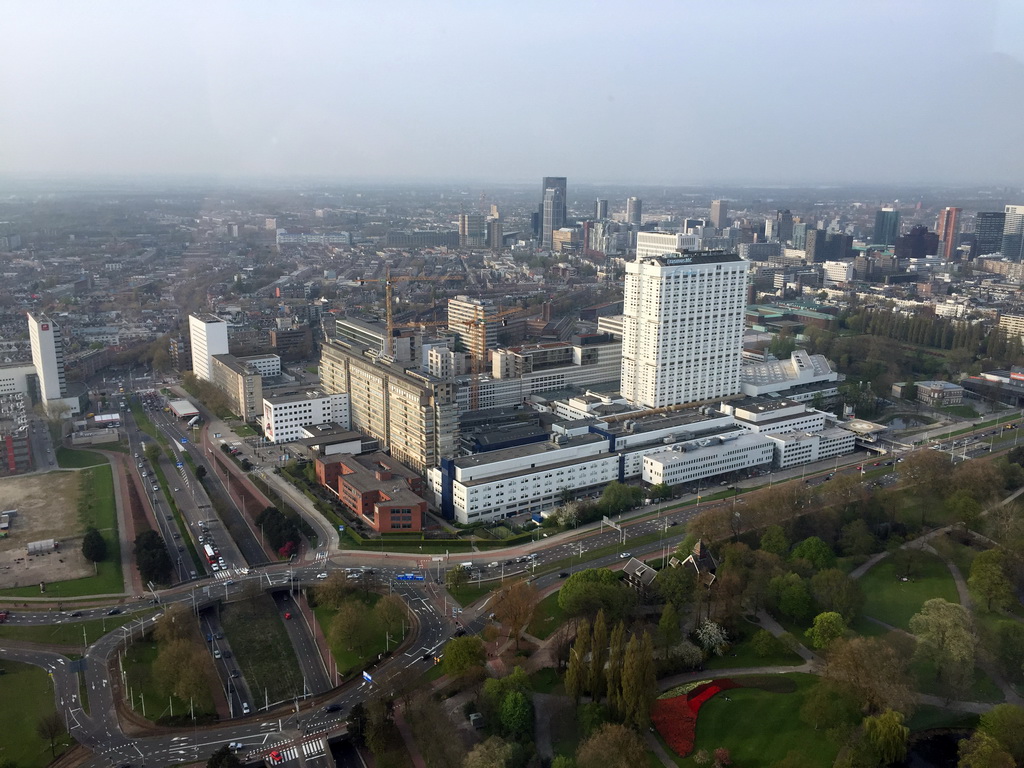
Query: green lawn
[68, 458]
[146, 696]
[982, 689]
[26, 695]
[893, 601]
[760, 728]
[262, 649]
[469, 593]
[350, 661]
[742, 655]
[547, 617]
[71, 632]
[244, 430]
[96, 507]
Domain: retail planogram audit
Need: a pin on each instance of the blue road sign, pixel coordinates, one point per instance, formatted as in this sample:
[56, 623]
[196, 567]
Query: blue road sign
[179, 465]
[341, 527]
[366, 677]
[184, 440]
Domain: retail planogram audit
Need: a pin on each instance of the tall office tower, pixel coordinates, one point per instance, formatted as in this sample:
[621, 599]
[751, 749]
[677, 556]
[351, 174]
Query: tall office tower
[47, 356]
[784, 226]
[473, 320]
[814, 245]
[600, 210]
[719, 214]
[800, 235]
[553, 215]
[988, 232]
[682, 328]
[771, 229]
[550, 182]
[1013, 233]
[209, 337]
[634, 211]
[472, 231]
[887, 227]
[495, 234]
[948, 229]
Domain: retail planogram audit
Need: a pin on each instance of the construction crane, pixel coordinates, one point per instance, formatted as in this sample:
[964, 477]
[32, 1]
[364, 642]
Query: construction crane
[478, 347]
[389, 281]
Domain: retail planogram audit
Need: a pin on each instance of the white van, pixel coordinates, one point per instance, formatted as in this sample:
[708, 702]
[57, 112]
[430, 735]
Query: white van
[467, 566]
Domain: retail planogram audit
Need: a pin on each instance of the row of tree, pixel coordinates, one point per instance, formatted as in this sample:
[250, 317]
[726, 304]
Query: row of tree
[152, 558]
[280, 531]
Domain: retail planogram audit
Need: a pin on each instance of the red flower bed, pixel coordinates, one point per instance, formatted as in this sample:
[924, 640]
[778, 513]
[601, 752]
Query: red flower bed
[676, 718]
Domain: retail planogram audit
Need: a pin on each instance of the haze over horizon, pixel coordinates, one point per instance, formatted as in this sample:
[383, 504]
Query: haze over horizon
[673, 93]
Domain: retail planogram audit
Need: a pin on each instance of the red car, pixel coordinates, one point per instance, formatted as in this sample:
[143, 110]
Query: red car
[287, 615]
[275, 757]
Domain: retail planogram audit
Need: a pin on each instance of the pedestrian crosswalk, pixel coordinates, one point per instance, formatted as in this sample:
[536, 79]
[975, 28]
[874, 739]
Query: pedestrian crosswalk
[222, 575]
[313, 748]
[290, 753]
[321, 556]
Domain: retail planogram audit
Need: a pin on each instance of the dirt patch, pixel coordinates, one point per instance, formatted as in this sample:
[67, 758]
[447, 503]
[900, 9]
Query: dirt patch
[47, 508]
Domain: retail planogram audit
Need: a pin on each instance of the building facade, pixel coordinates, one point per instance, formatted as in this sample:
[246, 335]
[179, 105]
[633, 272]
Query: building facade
[682, 330]
[47, 356]
[208, 336]
[285, 414]
[241, 383]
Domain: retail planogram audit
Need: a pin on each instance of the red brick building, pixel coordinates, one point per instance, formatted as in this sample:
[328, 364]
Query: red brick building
[378, 488]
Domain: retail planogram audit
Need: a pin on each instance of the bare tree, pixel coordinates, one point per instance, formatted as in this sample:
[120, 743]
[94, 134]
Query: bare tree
[514, 607]
[50, 728]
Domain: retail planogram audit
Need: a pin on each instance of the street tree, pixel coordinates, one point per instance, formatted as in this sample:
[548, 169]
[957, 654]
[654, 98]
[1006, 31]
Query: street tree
[833, 590]
[495, 752]
[945, 638]
[357, 723]
[638, 681]
[928, 471]
[390, 611]
[774, 540]
[514, 606]
[827, 627]
[94, 547]
[463, 654]
[151, 556]
[456, 577]
[613, 670]
[612, 746]
[990, 580]
[350, 625]
[598, 657]
[333, 591]
[888, 735]
[516, 715]
[669, 631]
[872, 672]
[50, 728]
[814, 551]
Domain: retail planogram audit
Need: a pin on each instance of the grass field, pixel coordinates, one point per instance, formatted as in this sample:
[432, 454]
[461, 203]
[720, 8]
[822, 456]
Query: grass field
[244, 430]
[471, 592]
[69, 458]
[760, 728]
[25, 696]
[982, 689]
[547, 617]
[69, 633]
[96, 507]
[262, 649]
[742, 655]
[893, 601]
[147, 697]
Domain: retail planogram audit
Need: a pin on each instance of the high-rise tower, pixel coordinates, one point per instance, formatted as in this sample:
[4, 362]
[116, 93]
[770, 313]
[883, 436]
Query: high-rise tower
[47, 356]
[719, 214]
[634, 211]
[887, 227]
[682, 328]
[600, 210]
[209, 337]
[988, 232]
[550, 182]
[1013, 233]
[552, 214]
[948, 228]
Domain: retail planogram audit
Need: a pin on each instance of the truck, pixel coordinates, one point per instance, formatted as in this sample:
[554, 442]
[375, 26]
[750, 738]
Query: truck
[193, 421]
[211, 554]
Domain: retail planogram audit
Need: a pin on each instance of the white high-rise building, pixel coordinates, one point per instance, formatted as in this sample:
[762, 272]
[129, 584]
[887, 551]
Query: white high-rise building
[682, 328]
[209, 337]
[663, 243]
[47, 356]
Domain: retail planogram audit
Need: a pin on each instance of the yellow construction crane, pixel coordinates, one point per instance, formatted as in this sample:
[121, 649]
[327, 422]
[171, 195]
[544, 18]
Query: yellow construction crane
[389, 281]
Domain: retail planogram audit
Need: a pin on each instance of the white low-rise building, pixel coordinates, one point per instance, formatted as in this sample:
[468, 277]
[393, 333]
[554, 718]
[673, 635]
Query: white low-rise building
[265, 365]
[795, 448]
[802, 377]
[695, 460]
[774, 416]
[284, 415]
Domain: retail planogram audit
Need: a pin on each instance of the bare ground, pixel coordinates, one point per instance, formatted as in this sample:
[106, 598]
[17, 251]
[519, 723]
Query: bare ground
[47, 508]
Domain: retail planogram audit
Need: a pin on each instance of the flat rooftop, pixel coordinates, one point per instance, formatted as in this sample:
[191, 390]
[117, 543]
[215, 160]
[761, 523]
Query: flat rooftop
[522, 451]
[295, 396]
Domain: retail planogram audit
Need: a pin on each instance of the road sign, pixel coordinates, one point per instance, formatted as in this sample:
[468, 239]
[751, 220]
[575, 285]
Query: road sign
[366, 677]
[184, 440]
[179, 465]
[341, 527]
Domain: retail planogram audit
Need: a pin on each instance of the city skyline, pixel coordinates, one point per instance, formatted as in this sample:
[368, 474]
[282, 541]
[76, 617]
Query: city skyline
[342, 93]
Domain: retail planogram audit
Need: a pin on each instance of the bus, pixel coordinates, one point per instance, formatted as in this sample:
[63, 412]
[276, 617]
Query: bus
[211, 555]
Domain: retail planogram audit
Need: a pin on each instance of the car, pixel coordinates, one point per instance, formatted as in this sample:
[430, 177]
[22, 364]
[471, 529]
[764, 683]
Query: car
[563, 575]
[136, 455]
[113, 612]
[459, 632]
[427, 657]
[332, 708]
[495, 564]
[214, 567]
[236, 746]
[181, 548]
[169, 517]
[155, 487]
[245, 708]
[287, 614]
[76, 614]
[229, 582]
[177, 489]
[219, 635]
[216, 653]
[140, 465]
[202, 540]
[144, 473]
[235, 674]
[322, 575]
[275, 757]
[624, 555]
[176, 535]
[673, 524]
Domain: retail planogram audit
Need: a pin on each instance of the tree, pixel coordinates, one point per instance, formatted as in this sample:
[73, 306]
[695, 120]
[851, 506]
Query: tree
[990, 580]
[200, 472]
[514, 607]
[456, 577]
[588, 591]
[461, 654]
[888, 735]
[765, 644]
[669, 632]
[618, 497]
[493, 753]
[357, 723]
[350, 625]
[151, 557]
[833, 590]
[946, 639]
[50, 727]
[613, 673]
[612, 746]
[560, 761]
[379, 724]
[1010, 649]
[872, 672]
[790, 594]
[390, 612]
[983, 751]
[712, 637]
[816, 552]
[598, 657]
[827, 626]
[516, 715]
[828, 706]
[1005, 724]
[774, 540]
[94, 547]
[639, 684]
[964, 508]
[676, 585]
[928, 471]
[152, 452]
[223, 758]
[857, 539]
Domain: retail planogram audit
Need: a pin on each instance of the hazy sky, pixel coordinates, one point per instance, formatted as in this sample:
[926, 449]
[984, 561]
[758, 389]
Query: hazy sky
[683, 92]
